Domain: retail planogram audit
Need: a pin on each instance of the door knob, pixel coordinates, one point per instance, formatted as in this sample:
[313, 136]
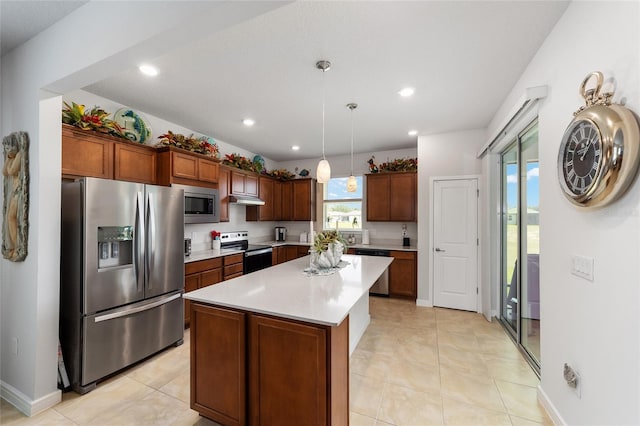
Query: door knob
[439, 249]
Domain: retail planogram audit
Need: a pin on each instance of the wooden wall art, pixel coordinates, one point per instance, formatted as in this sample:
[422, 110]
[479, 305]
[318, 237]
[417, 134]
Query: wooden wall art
[15, 209]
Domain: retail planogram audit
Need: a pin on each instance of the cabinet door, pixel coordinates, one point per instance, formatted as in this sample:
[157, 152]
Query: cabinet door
[303, 208]
[402, 275]
[265, 213]
[86, 155]
[223, 192]
[207, 170]
[284, 356]
[191, 283]
[302, 251]
[251, 185]
[287, 200]
[402, 197]
[377, 197]
[238, 183]
[277, 200]
[218, 377]
[134, 163]
[184, 166]
[291, 252]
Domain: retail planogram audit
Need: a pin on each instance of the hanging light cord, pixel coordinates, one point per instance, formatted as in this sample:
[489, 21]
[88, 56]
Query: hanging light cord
[351, 141]
[323, 71]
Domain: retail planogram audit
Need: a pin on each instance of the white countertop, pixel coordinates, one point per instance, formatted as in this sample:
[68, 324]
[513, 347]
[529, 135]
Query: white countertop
[285, 291]
[383, 246]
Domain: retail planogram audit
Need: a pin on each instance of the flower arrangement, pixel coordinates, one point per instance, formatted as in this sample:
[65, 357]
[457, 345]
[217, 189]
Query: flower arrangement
[280, 174]
[199, 145]
[239, 161]
[327, 249]
[94, 119]
[397, 165]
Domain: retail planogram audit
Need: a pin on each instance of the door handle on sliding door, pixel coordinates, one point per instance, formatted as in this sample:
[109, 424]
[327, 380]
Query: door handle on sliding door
[440, 250]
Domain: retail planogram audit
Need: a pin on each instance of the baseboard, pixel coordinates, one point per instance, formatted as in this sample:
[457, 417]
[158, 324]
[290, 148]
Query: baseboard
[424, 303]
[553, 414]
[25, 405]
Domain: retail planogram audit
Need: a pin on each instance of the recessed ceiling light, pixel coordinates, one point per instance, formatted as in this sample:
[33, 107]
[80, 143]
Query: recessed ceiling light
[406, 92]
[295, 148]
[412, 133]
[248, 122]
[148, 70]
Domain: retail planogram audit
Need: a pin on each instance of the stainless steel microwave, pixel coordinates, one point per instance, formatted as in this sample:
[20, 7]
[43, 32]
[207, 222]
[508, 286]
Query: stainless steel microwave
[201, 205]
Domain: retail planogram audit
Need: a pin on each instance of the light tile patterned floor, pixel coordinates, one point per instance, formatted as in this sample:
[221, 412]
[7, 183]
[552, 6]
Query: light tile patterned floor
[414, 366]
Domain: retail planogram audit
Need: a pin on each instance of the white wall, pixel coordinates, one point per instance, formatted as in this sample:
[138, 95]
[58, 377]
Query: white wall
[29, 289]
[446, 154]
[593, 326]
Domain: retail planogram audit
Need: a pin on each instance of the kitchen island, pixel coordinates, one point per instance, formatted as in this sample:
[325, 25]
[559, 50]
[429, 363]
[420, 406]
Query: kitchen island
[272, 347]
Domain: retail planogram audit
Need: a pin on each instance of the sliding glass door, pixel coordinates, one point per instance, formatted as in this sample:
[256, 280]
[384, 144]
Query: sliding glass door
[520, 243]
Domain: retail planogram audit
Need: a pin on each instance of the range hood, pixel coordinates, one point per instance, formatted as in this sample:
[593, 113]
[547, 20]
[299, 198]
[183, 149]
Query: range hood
[246, 200]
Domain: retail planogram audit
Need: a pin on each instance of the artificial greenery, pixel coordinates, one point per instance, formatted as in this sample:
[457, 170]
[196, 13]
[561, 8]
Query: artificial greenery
[94, 119]
[190, 143]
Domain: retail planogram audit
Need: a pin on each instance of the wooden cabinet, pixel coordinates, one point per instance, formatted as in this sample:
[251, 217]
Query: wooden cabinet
[135, 163]
[286, 253]
[233, 266]
[391, 197]
[304, 199]
[200, 274]
[218, 364]
[297, 200]
[224, 179]
[244, 184]
[177, 166]
[291, 252]
[403, 275]
[278, 255]
[289, 372]
[266, 192]
[85, 153]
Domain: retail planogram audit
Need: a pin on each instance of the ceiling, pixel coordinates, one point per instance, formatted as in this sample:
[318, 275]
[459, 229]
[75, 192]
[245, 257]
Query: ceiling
[462, 58]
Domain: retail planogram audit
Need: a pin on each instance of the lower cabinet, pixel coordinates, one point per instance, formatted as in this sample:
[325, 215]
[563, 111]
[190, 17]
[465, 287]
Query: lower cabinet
[283, 254]
[403, 275]
[198, 275]
[248, 368]
[233, 266]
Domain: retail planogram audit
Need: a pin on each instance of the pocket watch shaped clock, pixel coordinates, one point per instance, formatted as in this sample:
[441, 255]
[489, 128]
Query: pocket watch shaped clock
[598, 156]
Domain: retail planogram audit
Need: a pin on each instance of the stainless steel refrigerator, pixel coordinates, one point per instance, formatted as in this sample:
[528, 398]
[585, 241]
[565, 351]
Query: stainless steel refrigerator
[122, 275]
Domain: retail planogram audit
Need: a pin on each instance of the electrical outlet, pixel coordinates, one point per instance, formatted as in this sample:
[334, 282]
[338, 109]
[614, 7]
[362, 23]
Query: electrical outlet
[582, 267]
[14, 346]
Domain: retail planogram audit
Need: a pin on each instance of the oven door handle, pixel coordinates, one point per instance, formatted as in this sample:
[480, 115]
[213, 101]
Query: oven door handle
[257, 252]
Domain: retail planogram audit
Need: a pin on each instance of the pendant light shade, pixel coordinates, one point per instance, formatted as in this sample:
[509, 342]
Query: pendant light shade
[352, 183]
[323, 172]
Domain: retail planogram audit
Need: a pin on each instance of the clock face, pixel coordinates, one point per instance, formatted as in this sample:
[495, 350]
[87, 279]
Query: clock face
[581, 157]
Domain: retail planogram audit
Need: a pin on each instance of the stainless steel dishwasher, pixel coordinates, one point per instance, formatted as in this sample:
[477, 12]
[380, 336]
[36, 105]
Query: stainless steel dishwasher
[381, 286]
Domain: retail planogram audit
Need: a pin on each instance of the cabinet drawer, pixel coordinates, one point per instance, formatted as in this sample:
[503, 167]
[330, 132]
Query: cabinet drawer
[232, 270]
[234, 258]
[202, 265]
[409, 255]
[228, 277]
[211, 277]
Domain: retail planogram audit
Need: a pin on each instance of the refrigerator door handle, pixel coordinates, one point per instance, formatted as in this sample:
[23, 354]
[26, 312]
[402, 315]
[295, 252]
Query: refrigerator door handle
[137, 309]
[138, 242]
[151, 235]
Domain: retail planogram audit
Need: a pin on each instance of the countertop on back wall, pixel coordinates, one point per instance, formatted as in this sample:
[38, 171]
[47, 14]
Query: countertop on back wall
[211, 254]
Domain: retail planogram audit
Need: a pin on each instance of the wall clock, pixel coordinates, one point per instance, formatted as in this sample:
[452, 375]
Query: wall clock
[598, 156]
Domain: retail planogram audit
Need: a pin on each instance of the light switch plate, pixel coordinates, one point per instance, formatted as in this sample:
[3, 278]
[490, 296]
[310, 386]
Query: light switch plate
[582, 267]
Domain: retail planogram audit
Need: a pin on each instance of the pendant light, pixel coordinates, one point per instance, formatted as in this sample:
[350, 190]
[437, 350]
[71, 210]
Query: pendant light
[352, 183]
[323, 172]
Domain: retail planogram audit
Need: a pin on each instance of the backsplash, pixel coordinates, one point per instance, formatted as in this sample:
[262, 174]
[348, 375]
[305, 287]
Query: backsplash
[379, 232]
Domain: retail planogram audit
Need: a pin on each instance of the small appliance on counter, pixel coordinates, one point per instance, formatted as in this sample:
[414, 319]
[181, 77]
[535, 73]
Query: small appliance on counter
[281, 233]
[406, 242]
[187, 246]
[303, 237]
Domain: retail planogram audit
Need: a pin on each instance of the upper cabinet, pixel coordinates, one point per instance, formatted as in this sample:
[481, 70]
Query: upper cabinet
[224, 181]
[290, 200]
[88, 153]
[391, 197]
[244, 184]
[266, 188]
[186, 168]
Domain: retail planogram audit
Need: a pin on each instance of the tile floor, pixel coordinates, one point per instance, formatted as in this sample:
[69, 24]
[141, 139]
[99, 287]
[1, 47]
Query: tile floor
[414, 366]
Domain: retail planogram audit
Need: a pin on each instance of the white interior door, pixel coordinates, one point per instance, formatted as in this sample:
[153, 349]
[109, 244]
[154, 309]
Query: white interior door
[455, 244]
